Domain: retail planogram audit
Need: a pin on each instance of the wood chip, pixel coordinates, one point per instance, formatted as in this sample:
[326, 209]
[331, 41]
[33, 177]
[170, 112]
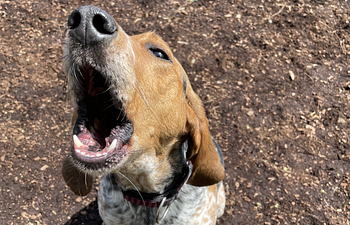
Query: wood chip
[250, 113]
[43, 168]
[182, 42]
[291, 75]
[341, 120]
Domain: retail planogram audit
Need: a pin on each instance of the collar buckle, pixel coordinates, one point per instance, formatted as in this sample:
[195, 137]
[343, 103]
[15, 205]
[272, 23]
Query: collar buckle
[160, 218]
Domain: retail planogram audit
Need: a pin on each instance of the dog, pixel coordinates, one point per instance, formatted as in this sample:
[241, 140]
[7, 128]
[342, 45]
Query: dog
[140, 125]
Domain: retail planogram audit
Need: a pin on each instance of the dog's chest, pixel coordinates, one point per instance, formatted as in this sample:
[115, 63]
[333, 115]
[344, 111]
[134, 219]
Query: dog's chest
[115, 210]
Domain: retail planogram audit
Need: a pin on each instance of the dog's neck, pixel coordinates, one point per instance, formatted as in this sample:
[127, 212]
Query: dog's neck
[153, 174]
[164, 198]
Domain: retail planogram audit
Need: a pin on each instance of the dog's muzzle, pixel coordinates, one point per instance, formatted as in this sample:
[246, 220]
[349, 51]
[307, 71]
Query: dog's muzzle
[102, 129]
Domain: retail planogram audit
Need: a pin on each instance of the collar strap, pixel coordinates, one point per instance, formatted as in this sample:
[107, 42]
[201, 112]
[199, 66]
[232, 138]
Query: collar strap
[154, 200]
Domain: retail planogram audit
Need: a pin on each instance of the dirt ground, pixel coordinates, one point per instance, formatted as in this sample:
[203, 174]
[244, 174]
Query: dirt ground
[274, 77]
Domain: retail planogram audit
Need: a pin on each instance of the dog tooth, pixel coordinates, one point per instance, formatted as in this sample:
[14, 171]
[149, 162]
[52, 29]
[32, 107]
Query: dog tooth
[77, 150]
[77, 142]
[113, 145]
[105, 153]
[98, 154]
[83, 153]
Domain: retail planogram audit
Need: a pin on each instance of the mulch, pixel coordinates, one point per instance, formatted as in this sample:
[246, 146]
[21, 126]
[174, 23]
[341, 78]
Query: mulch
[274, 77]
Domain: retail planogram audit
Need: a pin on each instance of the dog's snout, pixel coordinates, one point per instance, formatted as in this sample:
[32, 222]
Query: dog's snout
[89, 24]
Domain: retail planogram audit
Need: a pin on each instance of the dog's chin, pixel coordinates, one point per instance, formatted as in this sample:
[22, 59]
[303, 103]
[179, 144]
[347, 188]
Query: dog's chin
[102, 131]
[97, 169]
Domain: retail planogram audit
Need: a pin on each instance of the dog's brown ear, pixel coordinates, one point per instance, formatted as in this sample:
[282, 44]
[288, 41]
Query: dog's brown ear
[80, 183]
[207, 168]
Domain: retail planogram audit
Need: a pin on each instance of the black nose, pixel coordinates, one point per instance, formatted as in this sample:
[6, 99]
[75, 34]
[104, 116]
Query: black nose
[89, 24]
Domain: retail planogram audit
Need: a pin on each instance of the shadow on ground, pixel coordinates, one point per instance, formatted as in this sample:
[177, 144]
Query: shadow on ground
[87, 216]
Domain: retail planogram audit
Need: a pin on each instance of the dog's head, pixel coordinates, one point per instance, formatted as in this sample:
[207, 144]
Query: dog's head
[134, 106]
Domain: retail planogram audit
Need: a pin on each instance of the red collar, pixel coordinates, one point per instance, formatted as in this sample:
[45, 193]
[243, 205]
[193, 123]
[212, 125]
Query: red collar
[171, 193]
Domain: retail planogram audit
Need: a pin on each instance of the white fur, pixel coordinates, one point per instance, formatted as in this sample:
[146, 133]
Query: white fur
[190, 208]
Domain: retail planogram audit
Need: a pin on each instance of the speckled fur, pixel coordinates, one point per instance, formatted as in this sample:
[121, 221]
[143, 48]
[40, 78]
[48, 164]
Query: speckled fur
[195, 205]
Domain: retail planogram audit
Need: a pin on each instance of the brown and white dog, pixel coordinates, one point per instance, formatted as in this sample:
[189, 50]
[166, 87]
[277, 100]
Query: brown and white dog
[139, 123]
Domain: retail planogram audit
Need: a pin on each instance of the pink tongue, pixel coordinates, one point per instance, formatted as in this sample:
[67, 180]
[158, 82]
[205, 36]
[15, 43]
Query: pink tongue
[87, 139]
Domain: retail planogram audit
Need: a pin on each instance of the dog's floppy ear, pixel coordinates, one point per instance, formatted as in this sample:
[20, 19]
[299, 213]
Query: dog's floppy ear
[207, 169]
[80, 183]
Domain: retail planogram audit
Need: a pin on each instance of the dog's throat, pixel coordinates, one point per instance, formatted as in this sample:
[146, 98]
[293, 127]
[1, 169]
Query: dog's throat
[169, 194]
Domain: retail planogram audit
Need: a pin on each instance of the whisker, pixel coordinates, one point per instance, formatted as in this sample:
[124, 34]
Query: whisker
[111, 99]
[107, 107]
[69, 180]
[123, 117]
[104, 91]
[74, 72]
[66, 57]
[86, 185]
[138, 88]
[133, 186]
[75, 75]
[120, 112]
[80, 73]
[143, 96]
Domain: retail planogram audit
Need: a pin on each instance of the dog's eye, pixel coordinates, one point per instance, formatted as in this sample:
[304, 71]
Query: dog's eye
[159, 53]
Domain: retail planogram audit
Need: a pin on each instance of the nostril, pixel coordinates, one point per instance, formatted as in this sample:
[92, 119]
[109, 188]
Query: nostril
[74, 20]
[104, 25]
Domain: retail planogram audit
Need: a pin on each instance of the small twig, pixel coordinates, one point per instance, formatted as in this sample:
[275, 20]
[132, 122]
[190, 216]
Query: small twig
[325, 25]
[334, 32]
[284, 5]
[336, 188]
[341, 44]
[314, 216]
[275, 14]
[307, 74]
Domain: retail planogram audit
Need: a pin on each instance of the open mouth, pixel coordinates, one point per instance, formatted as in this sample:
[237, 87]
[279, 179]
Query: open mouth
[102, 130]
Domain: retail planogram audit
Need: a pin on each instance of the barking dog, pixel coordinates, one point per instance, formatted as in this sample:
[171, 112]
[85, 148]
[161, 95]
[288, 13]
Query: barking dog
[139, 123]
